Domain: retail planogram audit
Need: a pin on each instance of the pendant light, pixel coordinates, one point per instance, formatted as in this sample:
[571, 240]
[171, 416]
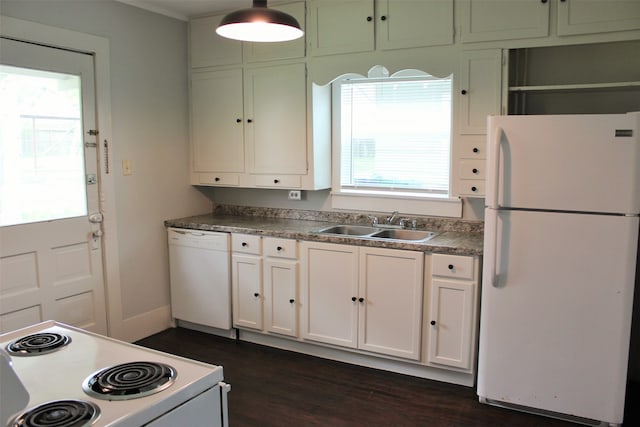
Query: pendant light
[259, 24]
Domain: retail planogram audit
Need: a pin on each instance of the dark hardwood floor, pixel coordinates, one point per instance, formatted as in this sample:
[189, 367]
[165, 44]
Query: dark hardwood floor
[272, 387]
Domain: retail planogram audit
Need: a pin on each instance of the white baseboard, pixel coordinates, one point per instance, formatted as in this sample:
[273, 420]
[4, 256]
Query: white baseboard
[145, 324]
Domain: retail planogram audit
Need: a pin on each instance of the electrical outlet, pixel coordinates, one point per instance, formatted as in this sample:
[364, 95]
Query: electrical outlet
[295, 195]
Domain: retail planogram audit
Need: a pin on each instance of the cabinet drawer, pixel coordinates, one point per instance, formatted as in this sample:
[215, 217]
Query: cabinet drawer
[473, 150]
[460, 267]
[278, 181]
[472, 187]
[225, 179]
[472, 169]
[280, 248]
[246, 243]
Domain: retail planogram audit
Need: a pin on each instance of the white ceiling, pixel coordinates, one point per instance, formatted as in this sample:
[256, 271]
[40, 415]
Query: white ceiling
[184, 9]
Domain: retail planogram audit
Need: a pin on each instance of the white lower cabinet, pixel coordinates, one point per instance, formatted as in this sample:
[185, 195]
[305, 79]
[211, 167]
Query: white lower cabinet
[246, 281]
[265, 284]
[452, 319]
[362, 298]
[281, 286]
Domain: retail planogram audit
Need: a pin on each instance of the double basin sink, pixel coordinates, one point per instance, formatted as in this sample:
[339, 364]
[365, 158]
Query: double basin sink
[407, 235]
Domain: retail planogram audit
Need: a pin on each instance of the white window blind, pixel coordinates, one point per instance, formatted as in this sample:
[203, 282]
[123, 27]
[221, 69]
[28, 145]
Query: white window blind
[395, 135]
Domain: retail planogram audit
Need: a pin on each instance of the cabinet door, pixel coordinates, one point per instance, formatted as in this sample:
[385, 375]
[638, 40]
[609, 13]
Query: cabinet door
[281, 296]
[586, 17]
[328, 291]
[484, 20]
[246, 279]
[275, 106]
[390, 312]
[413, 23]
[451, 323]
[341, 26]
[255, 52]
[480, 89]
[216, 121]
[207, 48]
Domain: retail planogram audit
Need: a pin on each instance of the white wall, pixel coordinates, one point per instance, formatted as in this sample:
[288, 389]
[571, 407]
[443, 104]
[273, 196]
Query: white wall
[148, 58]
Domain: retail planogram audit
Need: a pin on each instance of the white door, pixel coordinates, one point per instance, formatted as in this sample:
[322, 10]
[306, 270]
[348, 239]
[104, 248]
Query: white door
[50, 246]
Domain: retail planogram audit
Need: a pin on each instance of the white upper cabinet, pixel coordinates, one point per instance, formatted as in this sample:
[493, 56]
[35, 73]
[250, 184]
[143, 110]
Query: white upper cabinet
[486, 20]
[217, 124]
[585, 17]
[349, 26]
[341, 26]
[275, 106]
[208, 49]
[413, 23]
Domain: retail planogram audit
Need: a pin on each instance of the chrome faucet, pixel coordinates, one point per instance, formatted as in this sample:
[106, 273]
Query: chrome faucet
[390, 219]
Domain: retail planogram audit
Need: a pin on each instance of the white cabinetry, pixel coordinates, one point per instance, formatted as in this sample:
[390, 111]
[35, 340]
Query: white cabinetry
[250, 131]
[588, 17]
[246, 281]
[364, 298]
[281, 286]
[208, 49]
[485, 20]
[453, 317]
[349, 26]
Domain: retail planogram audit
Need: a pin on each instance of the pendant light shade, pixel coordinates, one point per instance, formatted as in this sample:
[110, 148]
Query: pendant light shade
[259, 24]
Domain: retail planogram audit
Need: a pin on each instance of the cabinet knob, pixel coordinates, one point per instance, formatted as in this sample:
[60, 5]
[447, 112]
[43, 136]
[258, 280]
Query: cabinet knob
[475, 149]
[544, 1]
[245, 244]
[463, 91]
[474, 170]
[383, 18]
[369, 18]
[279, 248]
[433, 323]
[249, 120]
[450, 266]
[353, 299]
[361, 299]
[474, 188]
[216, 179]
[292, 301]
[275, 181]
[238, 120]
[256, 294]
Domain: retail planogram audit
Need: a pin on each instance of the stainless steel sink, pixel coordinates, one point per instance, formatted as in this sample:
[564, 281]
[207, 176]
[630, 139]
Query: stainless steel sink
[348, 230]
[378, 232]
[402, 234]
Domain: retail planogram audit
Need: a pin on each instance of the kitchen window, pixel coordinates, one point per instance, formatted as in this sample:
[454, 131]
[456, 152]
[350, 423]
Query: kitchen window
[392, 142]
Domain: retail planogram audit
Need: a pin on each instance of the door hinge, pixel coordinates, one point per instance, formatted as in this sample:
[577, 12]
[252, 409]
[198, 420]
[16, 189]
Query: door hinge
[93, 132]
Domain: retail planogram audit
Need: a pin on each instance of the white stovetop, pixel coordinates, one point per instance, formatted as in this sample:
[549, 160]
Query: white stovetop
[59, 374]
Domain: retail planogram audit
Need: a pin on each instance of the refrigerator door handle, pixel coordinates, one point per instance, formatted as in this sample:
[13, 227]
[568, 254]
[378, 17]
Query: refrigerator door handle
[494, 165]
[491, 246]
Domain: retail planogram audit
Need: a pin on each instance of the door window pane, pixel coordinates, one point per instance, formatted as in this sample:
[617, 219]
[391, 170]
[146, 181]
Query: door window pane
[42, 174]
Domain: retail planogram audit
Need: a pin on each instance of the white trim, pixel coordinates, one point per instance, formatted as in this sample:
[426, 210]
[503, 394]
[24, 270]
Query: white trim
[146, 324]
[99, 47]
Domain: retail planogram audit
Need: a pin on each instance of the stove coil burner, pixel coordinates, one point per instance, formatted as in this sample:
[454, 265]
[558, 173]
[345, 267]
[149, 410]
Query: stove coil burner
[40, 343]
[59, 413]
[129, 380]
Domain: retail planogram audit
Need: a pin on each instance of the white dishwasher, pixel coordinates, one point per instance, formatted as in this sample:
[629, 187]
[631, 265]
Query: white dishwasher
[199, 266]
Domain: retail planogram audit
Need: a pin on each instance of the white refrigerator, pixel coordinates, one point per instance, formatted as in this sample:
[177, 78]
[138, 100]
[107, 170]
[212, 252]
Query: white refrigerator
[561, 240]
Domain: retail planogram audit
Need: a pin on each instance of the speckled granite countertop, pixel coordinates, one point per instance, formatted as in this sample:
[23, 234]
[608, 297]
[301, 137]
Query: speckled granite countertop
[454, 236]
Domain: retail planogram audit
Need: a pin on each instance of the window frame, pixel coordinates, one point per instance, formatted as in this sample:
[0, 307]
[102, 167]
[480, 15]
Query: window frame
[418, 203]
